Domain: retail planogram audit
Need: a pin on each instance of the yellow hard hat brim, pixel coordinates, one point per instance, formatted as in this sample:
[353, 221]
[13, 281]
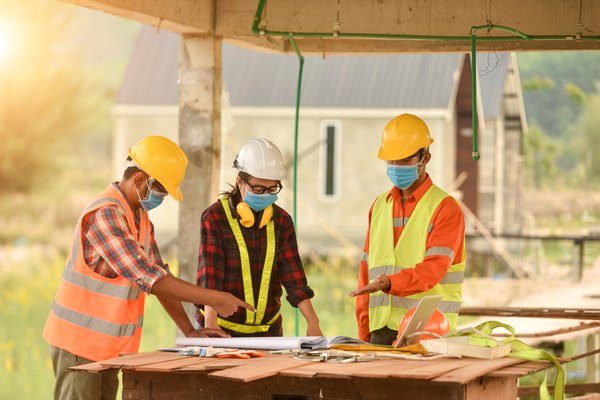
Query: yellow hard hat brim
[175, 193]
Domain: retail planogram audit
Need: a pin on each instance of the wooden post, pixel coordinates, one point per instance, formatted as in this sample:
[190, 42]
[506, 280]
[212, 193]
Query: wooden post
[200, 137]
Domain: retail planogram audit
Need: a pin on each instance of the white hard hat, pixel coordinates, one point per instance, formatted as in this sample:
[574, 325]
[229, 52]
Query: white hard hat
[261, 159]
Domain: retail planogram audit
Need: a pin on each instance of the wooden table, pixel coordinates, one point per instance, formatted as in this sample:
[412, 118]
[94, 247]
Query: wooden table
[161, 376]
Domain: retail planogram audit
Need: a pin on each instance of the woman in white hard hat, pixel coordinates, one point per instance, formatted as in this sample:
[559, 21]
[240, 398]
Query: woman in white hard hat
[248, 248]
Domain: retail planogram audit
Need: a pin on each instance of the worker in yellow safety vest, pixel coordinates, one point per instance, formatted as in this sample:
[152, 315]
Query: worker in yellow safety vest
[415, 243]
[113, 263]
[248, 248]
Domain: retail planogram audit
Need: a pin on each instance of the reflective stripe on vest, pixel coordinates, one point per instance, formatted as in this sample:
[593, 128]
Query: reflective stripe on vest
[93, 316]
[254, 321]
[384, 258]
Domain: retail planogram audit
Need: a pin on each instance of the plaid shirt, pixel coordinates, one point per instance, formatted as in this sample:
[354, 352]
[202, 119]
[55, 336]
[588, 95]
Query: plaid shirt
[220, 267]
[110, 249]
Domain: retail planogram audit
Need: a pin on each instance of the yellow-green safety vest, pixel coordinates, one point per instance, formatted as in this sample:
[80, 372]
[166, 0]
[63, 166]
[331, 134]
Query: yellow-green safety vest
[254, 321]
[384, 258]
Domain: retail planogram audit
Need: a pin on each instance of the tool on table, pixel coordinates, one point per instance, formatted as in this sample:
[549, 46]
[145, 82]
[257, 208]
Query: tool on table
[218, 352]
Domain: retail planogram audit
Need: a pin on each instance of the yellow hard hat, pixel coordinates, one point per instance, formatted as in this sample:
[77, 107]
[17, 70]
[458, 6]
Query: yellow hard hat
[163, 160]
[403, 136]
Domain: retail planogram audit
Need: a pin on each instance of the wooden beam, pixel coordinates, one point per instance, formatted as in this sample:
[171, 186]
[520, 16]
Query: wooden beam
[182, 16]
[233, 19]
[566, 313]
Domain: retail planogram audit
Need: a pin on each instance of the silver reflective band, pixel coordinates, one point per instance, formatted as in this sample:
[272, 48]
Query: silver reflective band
[453, 277]
[129, 292]
[383, 299]
[440, 251]
[95, 324]
[400, 222]
[448, 278]
[376, 271]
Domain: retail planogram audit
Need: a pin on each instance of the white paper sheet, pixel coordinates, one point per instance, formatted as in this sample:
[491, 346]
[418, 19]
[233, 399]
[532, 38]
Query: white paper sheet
[267, 343]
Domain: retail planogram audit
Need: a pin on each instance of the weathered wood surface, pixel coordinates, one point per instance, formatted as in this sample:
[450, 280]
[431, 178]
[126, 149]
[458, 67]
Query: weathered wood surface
[163, 376]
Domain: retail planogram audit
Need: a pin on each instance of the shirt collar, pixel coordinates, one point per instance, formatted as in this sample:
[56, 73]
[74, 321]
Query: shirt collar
[417, 194]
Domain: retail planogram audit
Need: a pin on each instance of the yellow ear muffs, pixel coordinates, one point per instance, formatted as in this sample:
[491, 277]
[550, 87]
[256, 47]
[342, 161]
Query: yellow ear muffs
[266, 217]
[247, 216]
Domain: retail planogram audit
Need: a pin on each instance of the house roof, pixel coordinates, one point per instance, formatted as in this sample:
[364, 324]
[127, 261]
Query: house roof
[270, 80]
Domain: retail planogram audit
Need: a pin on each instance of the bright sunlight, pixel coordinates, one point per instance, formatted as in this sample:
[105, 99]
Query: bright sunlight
[6, 43]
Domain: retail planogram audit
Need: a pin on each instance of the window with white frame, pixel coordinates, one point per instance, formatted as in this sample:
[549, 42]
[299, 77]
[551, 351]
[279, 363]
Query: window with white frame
[330, 159]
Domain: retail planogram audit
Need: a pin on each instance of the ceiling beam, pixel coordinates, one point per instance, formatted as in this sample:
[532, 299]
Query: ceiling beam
[560, 22]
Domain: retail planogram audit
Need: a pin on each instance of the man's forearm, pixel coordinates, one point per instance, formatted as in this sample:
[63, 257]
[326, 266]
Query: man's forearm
[174, 288]
[177, 313]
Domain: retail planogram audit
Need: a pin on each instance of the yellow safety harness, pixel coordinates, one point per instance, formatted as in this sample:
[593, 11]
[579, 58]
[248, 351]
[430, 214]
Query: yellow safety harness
[481, 336]
[253, 322]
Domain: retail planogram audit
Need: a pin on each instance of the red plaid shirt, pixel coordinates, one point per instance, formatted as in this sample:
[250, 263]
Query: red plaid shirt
[110, 249]
[220, 267]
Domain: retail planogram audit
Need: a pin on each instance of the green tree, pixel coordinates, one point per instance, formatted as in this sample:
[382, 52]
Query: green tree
[540, 154]
[45, 93]
[553, 108]
[586, 138]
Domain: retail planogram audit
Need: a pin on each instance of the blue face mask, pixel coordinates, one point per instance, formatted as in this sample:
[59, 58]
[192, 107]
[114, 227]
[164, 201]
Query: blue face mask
[403, 176]
[259, 202]
[153, 198]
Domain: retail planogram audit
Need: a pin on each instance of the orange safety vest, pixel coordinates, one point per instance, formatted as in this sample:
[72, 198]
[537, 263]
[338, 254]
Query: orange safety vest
[93, 316]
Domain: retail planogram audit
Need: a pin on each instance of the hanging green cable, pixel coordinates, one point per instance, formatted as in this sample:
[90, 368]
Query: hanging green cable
[295, 168]
[475, 153]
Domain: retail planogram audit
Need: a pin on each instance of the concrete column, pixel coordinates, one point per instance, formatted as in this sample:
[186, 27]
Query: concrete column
[200, 137]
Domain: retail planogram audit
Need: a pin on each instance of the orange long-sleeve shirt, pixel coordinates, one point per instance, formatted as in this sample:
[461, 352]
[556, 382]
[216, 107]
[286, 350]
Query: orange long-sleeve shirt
[448, 228]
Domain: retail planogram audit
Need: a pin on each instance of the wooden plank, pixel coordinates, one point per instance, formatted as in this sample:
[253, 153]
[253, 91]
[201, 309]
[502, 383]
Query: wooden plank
[476, 369]
[492, 389]
[93, 368]
[259, 368]
[215, 364]
[131, 356]
[173, 365]
[527, 368]
[436, 368]
[140, 359]
[384, 368]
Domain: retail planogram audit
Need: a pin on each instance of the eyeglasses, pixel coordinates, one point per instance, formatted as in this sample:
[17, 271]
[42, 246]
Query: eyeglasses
[155, 185]
[260, 189]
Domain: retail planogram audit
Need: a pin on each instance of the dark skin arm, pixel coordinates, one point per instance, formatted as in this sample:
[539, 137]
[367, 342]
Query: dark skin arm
[175, 309]
[174, 288]
[382, 282]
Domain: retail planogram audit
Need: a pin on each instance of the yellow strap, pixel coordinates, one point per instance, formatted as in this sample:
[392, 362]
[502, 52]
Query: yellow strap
[263, 294]
[481, 336]
[244, 328]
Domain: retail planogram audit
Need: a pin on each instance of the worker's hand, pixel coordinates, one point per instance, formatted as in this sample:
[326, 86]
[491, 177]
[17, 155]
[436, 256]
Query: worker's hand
[382, 282]
[208, 332]
[225, 303]
[313, 330]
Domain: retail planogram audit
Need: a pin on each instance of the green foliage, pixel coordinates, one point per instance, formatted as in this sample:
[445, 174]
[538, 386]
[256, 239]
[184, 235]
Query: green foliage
[540, 153]
[576, 94]
[551, 107]
[587, 139]
[537, 83]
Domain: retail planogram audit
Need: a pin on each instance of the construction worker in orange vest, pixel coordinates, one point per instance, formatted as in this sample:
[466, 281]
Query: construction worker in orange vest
[113, 263]
[415, 243]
